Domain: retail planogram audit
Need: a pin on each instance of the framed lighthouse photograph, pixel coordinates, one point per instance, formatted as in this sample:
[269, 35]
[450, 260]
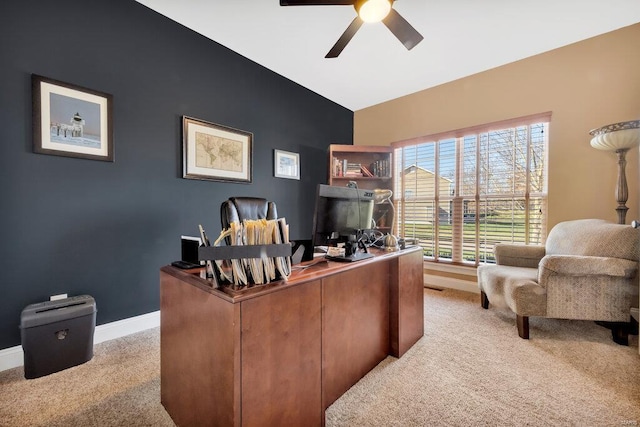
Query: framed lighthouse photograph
[71, 121]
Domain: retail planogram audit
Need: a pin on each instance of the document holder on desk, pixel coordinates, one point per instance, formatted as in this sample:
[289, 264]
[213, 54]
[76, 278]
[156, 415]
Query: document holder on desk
[248, 265]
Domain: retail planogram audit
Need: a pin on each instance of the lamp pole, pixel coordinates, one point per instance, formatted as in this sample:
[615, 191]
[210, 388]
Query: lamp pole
[622, 192]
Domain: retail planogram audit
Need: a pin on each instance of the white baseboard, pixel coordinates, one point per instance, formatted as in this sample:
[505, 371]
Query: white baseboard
[446, 281]
[121, 328]
[13, 357]
[434, 281]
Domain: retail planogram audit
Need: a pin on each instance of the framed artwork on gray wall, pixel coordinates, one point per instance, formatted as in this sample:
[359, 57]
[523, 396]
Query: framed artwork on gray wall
[214, 152]
[286, 164]
[71, 121]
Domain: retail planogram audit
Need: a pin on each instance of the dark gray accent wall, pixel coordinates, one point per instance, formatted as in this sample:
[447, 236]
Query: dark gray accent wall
[89, 227]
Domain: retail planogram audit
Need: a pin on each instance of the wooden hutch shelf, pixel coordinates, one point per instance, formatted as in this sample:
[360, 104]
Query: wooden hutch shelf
[371, 167]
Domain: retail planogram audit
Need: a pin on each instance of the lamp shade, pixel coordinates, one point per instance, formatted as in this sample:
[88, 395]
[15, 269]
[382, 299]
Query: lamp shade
[616, 136]
[381, 195]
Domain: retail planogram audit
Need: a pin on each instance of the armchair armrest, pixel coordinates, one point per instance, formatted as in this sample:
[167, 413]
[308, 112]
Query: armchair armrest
[518, 255]
[572, 265]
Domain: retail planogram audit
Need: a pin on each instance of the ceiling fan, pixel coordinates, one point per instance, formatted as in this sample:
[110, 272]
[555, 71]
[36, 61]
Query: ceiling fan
[368, 11]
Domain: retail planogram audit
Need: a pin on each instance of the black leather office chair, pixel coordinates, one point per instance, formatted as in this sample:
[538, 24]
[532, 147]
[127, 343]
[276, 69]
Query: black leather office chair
[241, 208]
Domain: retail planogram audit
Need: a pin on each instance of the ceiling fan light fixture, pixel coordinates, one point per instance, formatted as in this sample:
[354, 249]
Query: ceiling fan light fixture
[373, 10]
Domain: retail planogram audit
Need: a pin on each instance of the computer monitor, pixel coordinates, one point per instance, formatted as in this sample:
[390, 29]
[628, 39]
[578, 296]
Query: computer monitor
[340, 214]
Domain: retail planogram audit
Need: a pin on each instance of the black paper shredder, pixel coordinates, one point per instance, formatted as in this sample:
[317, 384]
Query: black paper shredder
[57, 335]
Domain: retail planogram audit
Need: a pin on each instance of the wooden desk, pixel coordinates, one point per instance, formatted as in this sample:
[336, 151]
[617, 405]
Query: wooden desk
[280, 354]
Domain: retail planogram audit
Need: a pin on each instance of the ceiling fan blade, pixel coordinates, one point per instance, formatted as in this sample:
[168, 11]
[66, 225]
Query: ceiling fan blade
[316, 2]
[345, 38]
[400, 28]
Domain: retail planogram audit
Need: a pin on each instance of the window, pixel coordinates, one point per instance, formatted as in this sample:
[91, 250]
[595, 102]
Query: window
[461, 192]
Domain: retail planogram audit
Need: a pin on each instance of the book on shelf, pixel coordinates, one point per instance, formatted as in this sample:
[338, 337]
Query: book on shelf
[353, 170]
[353, 167]
[344, 168]
[365, 171]
[381, 168]
[336, 167]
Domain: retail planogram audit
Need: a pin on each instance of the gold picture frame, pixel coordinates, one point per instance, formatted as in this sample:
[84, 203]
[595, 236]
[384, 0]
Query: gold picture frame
[214, 152]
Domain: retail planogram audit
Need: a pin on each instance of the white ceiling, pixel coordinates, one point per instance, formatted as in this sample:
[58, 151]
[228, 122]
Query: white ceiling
[461, 37]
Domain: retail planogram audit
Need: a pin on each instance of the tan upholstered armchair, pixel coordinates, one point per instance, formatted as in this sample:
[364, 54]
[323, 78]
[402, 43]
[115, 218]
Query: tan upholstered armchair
[587, 270]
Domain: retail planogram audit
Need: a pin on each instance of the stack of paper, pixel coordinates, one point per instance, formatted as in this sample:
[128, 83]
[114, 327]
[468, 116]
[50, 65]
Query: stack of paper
[247, 271]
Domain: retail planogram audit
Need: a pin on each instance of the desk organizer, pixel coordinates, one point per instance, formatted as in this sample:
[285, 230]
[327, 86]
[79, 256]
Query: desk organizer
[225, 262]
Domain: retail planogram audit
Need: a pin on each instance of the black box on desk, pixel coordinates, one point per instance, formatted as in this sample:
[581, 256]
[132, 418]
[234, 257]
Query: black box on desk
[302, 250]
[189, 249]
[57, 334]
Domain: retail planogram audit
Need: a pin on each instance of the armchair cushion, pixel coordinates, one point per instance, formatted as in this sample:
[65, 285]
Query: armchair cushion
[514, 287]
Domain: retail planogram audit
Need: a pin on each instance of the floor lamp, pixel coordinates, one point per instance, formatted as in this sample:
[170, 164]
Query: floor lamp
[618, 137]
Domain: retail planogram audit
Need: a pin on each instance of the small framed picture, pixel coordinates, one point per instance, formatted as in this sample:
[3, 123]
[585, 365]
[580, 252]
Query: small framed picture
[215, 152]
[286, 164]
[71, 121]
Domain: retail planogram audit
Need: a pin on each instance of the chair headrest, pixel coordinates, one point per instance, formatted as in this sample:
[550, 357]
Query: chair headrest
[241, 208]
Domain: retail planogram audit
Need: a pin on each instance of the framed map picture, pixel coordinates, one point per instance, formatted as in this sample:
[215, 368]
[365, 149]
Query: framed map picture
[71, 121]
[215, 152]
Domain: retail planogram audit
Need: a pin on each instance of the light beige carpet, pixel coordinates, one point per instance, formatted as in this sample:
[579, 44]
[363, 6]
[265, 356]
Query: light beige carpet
[470, 369]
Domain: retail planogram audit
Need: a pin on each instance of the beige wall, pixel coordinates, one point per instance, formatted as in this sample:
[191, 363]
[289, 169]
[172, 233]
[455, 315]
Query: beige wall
[585, 85]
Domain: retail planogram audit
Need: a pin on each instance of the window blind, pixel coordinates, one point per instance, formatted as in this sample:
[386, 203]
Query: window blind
[459, 193]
